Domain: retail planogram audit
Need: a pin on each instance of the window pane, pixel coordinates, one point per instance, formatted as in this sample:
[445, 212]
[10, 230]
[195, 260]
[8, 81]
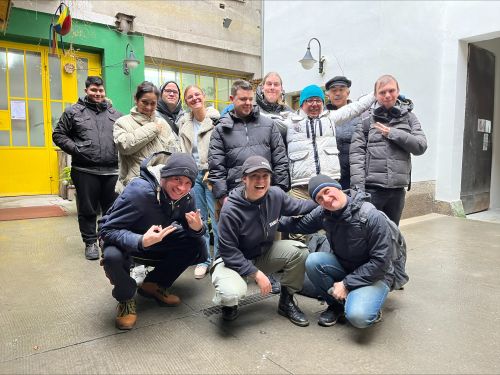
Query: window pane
[37, 133]
[34, 74]
[221, 106]
[187, 79]
[170, 75]
[223, 89]
[82, 71]
[19, 134]
[55, 78]
[152, 75]
[5, 138]
[3, 80]
[56, 110]
[16, 72]
[208, 84]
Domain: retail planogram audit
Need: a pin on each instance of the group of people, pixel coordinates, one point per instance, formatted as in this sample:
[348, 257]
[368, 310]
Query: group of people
[261, 176]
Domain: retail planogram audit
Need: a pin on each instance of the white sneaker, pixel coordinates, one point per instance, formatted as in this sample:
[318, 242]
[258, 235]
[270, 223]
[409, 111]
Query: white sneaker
[138, 273]
[200, 271]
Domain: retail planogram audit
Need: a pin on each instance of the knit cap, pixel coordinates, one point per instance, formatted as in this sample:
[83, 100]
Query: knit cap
[319, 182]
[180, 164]
[311, 91]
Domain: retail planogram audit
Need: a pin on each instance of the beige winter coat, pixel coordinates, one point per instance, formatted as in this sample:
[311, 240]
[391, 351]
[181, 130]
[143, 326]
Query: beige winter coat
[136, 137]
[186, 135]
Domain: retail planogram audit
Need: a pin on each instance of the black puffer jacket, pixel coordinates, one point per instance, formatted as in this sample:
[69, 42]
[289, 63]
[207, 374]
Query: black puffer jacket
[247, 229]
[143, 204]
[85, 131]
[364, 253]
[234, 140]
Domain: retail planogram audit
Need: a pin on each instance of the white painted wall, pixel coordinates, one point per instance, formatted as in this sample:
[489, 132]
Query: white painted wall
[423, 44]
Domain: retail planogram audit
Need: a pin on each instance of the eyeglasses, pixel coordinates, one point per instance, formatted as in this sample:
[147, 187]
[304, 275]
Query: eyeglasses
[168, 91]
[313, 101]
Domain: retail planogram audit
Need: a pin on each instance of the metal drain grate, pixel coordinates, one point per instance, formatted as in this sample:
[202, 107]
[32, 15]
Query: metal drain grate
[253, 298]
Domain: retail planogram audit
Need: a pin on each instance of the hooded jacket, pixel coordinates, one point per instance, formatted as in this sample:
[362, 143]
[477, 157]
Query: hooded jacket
[364, 253]
[85, 131]
[186, 135]
[172, 117]
[312, 144]
[137, 137]
[234, 140]
[247, 229]
[386, 161]
[143, 204]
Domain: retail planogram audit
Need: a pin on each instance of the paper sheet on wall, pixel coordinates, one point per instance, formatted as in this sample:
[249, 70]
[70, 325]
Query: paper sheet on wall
[485, 142]
[18, 110]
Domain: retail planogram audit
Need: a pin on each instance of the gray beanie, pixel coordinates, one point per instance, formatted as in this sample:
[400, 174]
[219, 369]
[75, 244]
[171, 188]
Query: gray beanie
[319, 182]
[180, 164]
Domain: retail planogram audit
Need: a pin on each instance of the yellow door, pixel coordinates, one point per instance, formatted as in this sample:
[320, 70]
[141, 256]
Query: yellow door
[35, 87]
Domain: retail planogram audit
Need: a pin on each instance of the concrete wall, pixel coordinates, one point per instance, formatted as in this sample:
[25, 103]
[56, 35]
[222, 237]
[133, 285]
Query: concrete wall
[423, 44]
[182, 31]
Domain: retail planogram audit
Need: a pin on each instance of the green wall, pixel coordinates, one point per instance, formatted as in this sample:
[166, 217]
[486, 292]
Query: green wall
[31, 27]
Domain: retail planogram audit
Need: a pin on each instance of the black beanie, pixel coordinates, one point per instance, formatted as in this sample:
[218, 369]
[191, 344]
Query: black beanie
[180, 164]
[319, 182]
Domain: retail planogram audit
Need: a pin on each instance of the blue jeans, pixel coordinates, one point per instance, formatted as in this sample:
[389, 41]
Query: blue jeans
[362, 305]
[205, 202]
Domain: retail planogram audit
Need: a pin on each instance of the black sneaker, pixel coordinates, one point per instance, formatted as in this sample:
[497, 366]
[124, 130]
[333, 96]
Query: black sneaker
[230, 312]
[330, 316]
[91, 251]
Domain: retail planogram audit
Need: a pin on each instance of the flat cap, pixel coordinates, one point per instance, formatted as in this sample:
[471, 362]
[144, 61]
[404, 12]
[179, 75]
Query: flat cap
[337, 81]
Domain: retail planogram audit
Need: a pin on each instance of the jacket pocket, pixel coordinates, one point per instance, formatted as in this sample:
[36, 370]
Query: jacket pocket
[331, 151]
[297, 158]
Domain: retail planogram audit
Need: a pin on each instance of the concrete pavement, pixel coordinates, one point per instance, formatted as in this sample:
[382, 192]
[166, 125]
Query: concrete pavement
[57, 313]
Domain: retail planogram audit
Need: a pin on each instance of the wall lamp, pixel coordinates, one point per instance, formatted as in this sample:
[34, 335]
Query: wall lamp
[308, 61]
[130, 61]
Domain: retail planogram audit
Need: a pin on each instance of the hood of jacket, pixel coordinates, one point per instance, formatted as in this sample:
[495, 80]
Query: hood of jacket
[96, 107]
[237, 197]
[401, 108]
[163, 108]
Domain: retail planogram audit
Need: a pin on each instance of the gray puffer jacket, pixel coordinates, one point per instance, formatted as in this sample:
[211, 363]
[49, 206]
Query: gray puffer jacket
[386, 161]
[233, 140]
[312, 144]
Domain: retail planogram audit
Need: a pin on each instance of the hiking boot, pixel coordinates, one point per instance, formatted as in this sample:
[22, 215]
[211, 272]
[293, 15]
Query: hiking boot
[91, 251]
[275, 284]
[159, 293]
[330, 316]
[288, 309]
[230, 312]
[126, 315]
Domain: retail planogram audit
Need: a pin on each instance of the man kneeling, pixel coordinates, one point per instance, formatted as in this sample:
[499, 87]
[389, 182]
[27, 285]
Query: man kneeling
[357, 275]
[153, 222]
[247, 227]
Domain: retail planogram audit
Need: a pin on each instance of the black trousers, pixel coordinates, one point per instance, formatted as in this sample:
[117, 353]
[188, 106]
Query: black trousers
[92, 191]
[390, 201]
[178, 253]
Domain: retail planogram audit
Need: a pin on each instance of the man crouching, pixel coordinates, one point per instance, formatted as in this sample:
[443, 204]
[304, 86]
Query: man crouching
[247, 227]
[153, 222]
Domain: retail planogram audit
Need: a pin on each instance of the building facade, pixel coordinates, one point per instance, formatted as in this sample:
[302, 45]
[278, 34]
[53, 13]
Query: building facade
[209, 43]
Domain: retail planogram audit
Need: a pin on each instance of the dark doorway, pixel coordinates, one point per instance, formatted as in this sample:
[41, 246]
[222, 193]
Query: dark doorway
[477, 148]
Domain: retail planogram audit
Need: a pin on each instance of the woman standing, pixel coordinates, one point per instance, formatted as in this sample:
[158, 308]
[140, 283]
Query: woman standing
[140, 134]
[195, 129]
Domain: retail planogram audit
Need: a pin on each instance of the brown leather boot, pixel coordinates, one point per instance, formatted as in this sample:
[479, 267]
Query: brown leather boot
[126, 315]
[160, 294]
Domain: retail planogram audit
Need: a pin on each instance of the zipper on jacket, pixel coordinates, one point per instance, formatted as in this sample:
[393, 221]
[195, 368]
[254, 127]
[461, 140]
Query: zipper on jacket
[246, 131]
[315, 147]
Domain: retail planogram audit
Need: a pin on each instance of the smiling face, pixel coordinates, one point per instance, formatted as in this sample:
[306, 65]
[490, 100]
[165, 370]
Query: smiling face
[95, 93]
[170, 94]
[243, 102]
[194, 98]
[313, 107]
[272, 89]
[257, 184]
[176, 186]
[331, 198]
[146, 104]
